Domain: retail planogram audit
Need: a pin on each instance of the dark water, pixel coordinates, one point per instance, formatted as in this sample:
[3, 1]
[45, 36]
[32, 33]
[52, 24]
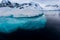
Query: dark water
[53, 24]
[50, 32]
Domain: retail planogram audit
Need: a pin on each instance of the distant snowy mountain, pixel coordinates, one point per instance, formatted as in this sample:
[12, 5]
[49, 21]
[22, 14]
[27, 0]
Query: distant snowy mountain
[7, 3]
[49, 4]
[51, 7]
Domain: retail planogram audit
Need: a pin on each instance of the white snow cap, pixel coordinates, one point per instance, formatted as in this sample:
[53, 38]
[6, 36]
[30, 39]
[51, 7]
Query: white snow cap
[27, 11]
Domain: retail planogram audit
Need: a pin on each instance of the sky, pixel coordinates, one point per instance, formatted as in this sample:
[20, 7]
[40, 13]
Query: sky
[41, 1]
[48, 1]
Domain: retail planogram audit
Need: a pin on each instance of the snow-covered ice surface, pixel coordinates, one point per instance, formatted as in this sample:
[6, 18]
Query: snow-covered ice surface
[28, 18]
[27, 11]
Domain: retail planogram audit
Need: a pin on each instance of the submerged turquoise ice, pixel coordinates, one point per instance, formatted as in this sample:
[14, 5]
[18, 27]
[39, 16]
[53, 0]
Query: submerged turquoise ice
[8, 25]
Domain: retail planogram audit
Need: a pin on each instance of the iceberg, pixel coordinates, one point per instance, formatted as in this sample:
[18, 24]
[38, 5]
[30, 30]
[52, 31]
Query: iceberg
[27, 16]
